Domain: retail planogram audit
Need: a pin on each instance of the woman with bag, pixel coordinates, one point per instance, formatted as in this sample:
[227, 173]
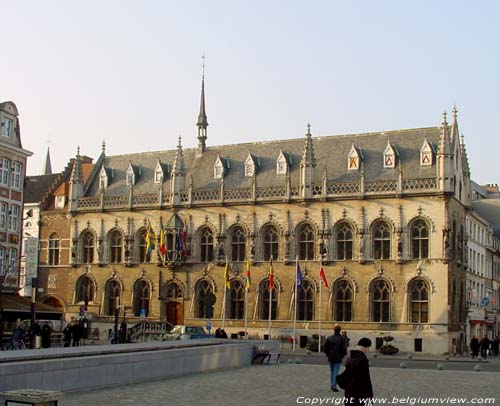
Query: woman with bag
[358, 385]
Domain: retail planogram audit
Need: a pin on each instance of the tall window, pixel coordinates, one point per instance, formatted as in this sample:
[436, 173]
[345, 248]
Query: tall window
[85, 290]
[203, 301]
[381, 241]
[2, 262]
[141, 297]
[419, 240]
[343, 301]
[87, 247]
[7, 126]
[112, 295]
[236, 300]
[116, 247]
[206, 245]
[54, 249]
[344, 241]
[142, 245]
[268, 299]
[305, 301]
[4, 171]
[14, 218]
[238, 245]
[3, 215]
[380, 301]
[270, 243]
[306, 243]
[17, 168]
[419, 302]
[12, 260]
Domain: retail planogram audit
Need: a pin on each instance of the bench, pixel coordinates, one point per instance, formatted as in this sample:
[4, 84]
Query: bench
[263, 356]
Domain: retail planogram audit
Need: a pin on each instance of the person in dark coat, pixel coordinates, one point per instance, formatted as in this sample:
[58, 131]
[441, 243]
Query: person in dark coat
[223, 334]
[76, 333]
[46, 333]
[359, 385]
[485, 344]
[474, 347]
[494, 346]
[67, 334]
[335, 349]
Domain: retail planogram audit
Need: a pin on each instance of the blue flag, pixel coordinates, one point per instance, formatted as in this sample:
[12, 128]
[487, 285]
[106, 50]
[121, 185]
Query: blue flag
[299, 275]
[178, 241]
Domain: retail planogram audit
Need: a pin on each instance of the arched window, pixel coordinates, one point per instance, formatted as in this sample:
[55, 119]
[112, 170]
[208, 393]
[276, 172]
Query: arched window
[204, 295]
[270, 243]
[342, 291]
[265, 296]
[343, 234]
[305, 301]
[381, 240]
[306, 243]
[85, 290]
[142, 246]
[236, 300]
[116, 247]
[141, 297]
[173, 291]
[54, 247]
[381, 301]
[419, 305]
[238, 244]
[87, 247]
[419, 240]
[112, 297]
[206, 245]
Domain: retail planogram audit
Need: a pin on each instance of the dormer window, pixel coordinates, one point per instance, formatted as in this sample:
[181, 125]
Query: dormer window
[159, 174]
[130, 176]
[103, 179]
[218, 168]
[389, 156]
[281, 164]
[353, 159]
[249, 166]
[7, 125]
[426, 154]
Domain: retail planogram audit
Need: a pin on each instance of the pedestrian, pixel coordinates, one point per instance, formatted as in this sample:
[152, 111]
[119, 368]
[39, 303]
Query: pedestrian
[217, 332]
[67, 334]
[123, 332]
[223, 333]
[46, 333]
[335, 349]
[76, 334]
[359, 385]
[474, 347]
[18, 338]
[485, 345]
[494, 346]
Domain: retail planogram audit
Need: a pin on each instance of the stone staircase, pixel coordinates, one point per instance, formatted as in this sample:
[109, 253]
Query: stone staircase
[148, 331]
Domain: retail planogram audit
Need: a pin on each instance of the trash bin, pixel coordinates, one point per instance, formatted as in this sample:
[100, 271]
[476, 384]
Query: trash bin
[303, 341]
[266, 336]
[234, 336]
[38, 342]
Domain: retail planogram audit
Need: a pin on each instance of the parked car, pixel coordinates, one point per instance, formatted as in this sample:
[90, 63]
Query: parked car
[181, 332]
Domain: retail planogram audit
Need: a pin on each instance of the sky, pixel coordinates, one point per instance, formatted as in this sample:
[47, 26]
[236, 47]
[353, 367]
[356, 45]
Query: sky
[129, 72]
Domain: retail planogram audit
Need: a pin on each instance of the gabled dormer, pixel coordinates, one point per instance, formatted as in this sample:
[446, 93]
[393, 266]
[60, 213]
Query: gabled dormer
[282, 164]
[251, 164]
[105, 177]
[132, 175]
[390, 156]
[426, 154]
[218, 168]
[161, 170]
[354, 158]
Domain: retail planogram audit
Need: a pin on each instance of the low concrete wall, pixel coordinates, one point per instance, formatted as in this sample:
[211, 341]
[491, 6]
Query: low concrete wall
[70, 369]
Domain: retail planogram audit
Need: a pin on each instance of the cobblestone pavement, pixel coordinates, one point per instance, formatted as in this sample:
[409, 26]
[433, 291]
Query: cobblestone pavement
[283, 384]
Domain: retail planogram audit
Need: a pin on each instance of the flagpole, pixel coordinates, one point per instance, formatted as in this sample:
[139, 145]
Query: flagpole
[319, 310]
[224, 298]
[247, 289]
[270, 296]
[295, 306]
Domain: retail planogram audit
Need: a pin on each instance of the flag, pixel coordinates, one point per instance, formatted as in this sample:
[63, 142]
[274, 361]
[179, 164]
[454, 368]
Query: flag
[299, 274]
[247, 286]
[323, 277]
[226, 275]
[150, 239]
[178, 242]
[163, 246]
[271, 275]
[184, 241]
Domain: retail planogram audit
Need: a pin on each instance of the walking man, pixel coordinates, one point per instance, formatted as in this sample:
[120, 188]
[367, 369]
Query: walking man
[359, 386]
[335, 349]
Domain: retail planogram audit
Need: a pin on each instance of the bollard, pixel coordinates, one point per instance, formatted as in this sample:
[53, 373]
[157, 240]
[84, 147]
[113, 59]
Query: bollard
[403, 365]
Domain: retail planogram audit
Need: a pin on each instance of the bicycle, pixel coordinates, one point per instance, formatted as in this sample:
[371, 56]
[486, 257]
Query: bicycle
[17, 345]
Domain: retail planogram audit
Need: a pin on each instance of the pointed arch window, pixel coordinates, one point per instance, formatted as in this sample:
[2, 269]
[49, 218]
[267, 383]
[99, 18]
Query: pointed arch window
[305, 301]
[344, 241]
[87, 247]
[306, 243]
[268, 299]
[236, 300]
[142, 247]
[116, 247]
[419, 240]
[85, 290]
[203, 301]
[206, 245]
[112, 297]
[419, 302]
[270, 243]
[381, 301]
[174, 291]
[238, 244]
[343, 301]
[141, 297]
[381, 240]
[54, 249]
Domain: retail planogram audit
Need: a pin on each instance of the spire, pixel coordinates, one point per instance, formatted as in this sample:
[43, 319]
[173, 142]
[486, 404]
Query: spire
[47, 167]
[103, 147]
[178, 166]
[454, 126]
[465, 158]
[308, 150]
[444, 139]
[76, 173]
[202, 123]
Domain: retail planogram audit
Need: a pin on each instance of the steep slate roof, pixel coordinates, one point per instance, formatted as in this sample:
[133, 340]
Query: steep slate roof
[330, 152]
[489, 209]
[36, 187]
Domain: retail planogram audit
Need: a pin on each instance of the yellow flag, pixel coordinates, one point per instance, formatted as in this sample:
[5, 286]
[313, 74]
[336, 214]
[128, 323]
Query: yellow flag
[247, 286]
[226, 275]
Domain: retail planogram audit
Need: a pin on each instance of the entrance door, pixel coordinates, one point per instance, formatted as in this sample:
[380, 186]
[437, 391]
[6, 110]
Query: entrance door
[174, 312]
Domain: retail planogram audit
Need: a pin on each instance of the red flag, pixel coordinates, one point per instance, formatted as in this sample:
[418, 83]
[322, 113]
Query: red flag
[323, 277]
[271, 275]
